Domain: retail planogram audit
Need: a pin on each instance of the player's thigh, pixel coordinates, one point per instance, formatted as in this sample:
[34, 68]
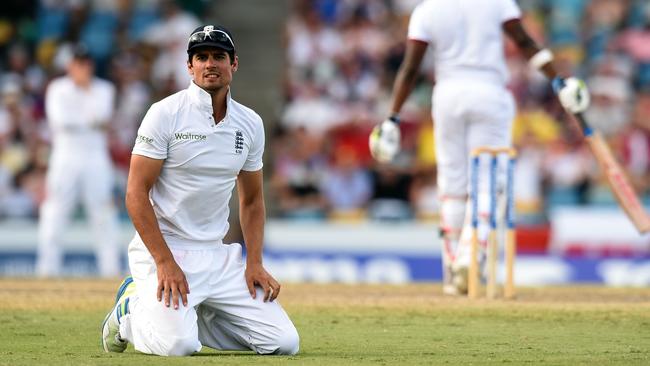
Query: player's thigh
[62, 182]
[491, 126]
[151, 312]
[491, 119]
[194, 263]
[98, 180]
[247, 323]
[159, 329]
[450, 136]
[232, 313]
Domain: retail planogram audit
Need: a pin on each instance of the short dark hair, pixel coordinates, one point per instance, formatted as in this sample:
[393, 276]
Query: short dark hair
[81, 52]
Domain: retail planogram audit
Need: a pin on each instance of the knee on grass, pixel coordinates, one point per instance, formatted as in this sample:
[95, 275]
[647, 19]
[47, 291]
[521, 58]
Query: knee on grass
[180, 346]
[287, 342]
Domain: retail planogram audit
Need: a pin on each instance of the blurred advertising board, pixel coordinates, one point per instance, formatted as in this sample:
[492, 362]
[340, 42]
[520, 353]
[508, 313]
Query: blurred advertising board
[389, 252]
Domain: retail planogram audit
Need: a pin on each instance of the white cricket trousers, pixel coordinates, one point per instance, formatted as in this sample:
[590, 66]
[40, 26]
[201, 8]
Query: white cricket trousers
[74, 177]
[467, 114]
[220, 314]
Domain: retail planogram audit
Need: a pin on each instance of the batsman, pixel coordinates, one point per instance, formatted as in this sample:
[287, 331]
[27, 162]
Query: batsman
[471, 105]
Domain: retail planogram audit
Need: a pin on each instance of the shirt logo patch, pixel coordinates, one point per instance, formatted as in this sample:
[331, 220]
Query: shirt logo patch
[144, 139]
[239, 142]
[189, 136]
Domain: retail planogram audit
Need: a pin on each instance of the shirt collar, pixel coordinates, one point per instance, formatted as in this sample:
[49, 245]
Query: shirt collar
[203, 99]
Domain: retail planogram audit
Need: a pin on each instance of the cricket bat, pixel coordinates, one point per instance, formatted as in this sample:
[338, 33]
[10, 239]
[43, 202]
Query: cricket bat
[616, 177]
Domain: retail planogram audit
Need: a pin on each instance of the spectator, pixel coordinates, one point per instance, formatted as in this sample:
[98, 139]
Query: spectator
[347, 186]
[170, 37]
[298, 175]
[390, 199]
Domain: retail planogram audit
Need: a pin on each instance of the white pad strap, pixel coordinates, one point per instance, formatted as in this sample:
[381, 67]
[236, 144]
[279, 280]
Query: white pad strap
[541, 58]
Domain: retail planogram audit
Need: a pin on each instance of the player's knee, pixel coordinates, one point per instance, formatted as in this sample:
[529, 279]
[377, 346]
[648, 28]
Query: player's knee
[288, 342]
[182, 346]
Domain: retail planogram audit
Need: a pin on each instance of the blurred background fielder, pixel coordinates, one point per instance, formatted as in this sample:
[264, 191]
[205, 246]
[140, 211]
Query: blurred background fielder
[79, 108]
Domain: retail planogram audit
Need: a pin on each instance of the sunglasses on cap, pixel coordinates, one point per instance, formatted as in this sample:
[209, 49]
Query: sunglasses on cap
[215, 35]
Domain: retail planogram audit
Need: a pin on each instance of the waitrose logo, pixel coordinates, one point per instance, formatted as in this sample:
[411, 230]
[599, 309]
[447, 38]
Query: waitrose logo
[144, 139]
[185, 136]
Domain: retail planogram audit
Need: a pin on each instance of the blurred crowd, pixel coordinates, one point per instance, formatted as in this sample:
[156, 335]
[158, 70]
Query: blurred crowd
[138, 45]
[341, 60]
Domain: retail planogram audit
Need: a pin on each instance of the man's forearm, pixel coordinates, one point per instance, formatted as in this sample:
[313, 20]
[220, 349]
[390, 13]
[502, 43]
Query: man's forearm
[527, 45]
[407, 73]
[404, 82]
[252, 218]
[144, 221]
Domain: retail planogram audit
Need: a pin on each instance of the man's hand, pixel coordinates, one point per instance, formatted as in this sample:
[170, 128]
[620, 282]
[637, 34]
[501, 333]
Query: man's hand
[257, 275]
[384, 140]
[172, 283]
[572, 92]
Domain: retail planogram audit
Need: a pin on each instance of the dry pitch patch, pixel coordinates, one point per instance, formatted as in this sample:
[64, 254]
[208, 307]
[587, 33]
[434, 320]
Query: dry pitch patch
[57, 322]
[30, 294]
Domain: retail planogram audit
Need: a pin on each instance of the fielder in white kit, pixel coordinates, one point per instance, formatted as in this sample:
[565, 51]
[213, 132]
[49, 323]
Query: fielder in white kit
[79, 108]
[188, 288]
[471, 105]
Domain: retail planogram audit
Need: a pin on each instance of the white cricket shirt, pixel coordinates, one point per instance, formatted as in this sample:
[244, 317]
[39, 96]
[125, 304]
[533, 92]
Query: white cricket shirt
[465, 36]
[74, 114]
[202, 161]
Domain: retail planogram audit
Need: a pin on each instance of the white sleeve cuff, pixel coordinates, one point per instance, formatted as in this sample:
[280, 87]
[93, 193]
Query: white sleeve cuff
[541, 58]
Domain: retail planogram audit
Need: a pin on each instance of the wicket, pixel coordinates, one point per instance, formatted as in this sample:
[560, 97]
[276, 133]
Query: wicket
[492, 240]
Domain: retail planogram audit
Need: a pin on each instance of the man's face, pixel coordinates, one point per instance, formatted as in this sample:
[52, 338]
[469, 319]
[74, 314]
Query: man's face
[81, 71]
[211, 68]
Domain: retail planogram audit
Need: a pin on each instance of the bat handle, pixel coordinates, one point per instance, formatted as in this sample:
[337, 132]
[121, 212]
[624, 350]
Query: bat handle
[557, 84]
[586, 129]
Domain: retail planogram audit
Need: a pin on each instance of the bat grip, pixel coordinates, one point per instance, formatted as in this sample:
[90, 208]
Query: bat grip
[558, 83]
[586, 130]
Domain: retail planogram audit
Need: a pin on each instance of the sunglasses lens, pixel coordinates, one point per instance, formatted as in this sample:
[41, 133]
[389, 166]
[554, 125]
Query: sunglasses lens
[215, 36]
[218, 36]
[197, 37]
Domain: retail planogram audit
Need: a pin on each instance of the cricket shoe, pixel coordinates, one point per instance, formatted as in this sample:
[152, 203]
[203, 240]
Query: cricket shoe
[448, 287]
[111, 340]
[460, 278]
[457, 283]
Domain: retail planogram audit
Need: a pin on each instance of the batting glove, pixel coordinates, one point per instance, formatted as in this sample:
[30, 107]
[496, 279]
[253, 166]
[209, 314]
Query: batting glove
[572, 92]
[384, 140]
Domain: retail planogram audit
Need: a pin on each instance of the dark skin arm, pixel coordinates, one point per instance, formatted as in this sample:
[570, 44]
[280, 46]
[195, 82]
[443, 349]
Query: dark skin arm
[172, 284]
[252, 215]
[528, 47]
[415, 50]
[407, 73]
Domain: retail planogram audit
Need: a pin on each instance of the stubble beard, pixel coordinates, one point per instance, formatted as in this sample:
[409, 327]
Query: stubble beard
[213, 87]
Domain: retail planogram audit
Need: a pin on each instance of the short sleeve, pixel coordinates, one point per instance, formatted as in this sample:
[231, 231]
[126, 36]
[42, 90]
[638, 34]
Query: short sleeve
[510, 10]
[153, 135]
[418, 25]
[256, 152]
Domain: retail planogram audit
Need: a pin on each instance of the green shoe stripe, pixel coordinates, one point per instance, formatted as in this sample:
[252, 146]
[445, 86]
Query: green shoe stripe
[122, 309]
[120, 291]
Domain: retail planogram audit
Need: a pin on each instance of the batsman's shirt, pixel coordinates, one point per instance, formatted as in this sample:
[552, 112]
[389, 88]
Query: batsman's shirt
[465, 36]
[202, 161]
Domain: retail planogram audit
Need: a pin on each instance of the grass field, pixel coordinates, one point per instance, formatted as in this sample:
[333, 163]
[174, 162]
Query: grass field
[57, 323]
